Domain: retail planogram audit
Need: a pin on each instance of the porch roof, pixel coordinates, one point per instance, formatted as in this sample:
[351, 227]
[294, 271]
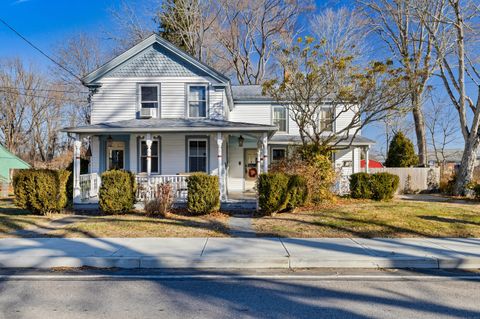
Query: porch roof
[156, 125]
[354, 141]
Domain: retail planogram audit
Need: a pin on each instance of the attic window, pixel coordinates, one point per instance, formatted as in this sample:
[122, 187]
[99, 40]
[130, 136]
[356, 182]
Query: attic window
[149, 96]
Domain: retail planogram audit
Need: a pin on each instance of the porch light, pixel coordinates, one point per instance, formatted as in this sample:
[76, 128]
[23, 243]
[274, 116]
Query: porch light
[240, 141]
[109, 141]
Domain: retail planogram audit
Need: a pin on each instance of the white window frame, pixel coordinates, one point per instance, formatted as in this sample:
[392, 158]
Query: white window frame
[187, 98]
[140, 155]
[140, 102]
[197, 139]
[277, 148]
[320, 119]
[286, 118]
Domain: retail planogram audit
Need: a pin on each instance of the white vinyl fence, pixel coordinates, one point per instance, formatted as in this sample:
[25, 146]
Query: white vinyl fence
[413, 179]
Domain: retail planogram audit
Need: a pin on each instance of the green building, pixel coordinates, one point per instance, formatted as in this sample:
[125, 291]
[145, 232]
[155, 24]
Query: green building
[8, 161]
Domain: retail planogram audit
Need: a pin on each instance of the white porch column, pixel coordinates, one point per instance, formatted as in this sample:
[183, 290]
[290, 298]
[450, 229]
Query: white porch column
[367, 160]
[220, 164]
[148, 142]
[353, 161]
[76, 169]
[265, 152]
[259, 156]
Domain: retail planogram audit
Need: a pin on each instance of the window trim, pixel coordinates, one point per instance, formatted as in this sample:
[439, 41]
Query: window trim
[139, 99]
[327, 108]
[286, 118]
[139, 155]
[187, 100]
[187, 151]
[277, 148]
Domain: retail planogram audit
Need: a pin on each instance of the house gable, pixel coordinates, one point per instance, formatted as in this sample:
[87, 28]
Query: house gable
[155, 61]
[153, 57]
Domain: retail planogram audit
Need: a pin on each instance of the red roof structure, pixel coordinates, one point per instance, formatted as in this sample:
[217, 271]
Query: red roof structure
[371, 164]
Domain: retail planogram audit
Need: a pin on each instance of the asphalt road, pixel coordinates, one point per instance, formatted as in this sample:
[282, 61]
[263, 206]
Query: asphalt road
[307, 294]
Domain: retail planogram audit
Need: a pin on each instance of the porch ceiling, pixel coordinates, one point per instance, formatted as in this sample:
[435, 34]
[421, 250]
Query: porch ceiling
[156, 125]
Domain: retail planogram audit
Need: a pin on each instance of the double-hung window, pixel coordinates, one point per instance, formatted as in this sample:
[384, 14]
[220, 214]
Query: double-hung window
[197, 101]
[197, 155]
[278, 154]
[155, 159]
[326, 119]
[149, 96]
[280, 118]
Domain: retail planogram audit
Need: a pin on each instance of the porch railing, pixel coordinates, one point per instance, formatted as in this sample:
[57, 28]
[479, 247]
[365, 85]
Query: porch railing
[146, 186]
[89, 186]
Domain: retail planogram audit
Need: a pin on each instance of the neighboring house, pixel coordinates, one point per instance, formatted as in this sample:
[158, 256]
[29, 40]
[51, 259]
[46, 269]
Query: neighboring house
[162, 114]
[8, 162]
[449, 158]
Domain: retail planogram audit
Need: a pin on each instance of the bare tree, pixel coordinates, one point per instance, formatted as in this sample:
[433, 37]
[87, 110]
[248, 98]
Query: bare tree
[411, 46]
[130, 25]
[321, 89]
[442, 126]
[247, 33]
[455, 47]
[344, 32]
[30, 111]
[80, 53]
[188, 24]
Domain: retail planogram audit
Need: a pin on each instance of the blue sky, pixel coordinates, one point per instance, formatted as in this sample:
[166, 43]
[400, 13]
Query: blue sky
[47, 22]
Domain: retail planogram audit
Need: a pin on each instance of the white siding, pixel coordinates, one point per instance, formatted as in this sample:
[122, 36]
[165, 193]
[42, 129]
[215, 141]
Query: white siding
[173, 156]
[346, 155]
[117, 98]
[344, 118]
[252, 113]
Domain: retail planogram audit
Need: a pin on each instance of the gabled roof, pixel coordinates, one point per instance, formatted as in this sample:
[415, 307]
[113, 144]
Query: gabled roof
[152, 40]
[249, 93]
[9, 161]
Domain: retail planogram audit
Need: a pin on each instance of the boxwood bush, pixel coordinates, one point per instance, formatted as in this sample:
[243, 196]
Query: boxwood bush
[117, 191]
[272, 192]
[384, 185]
[41, 191]
[297, 192]
[203, 196]
[378, 186]
[360, 186]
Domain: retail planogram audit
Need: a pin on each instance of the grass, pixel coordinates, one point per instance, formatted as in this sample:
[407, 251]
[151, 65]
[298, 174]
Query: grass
[353, 218]
[139, 225]
[13, 218]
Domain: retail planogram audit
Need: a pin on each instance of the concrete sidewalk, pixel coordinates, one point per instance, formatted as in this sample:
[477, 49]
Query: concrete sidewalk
[240, 253]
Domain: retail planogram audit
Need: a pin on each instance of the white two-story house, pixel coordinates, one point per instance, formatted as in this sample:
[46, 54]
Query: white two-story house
[162, 114]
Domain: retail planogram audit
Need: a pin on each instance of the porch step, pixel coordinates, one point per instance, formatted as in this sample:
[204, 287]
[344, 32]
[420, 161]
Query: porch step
[240, 207]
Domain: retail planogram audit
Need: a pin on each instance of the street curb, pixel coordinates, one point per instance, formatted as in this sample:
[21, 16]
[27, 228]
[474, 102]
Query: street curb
[229, 262]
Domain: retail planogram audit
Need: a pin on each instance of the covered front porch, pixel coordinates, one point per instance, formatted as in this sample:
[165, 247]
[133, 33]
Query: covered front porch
[168, 151]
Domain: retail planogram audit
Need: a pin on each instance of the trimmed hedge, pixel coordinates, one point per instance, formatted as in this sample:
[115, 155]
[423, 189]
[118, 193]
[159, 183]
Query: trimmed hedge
[378, 186]
[297, 192]
[117, 191]
[360, 186]
[203, 196]
[272, 190]
[384, 185]
[278, 191]
[41, 191]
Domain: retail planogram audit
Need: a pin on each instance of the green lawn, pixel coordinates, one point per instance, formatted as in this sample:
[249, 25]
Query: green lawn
[398, 218]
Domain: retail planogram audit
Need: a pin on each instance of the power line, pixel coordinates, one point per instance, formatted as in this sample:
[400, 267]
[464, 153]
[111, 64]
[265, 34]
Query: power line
[40, 96]
[40, 90]
[40, 50]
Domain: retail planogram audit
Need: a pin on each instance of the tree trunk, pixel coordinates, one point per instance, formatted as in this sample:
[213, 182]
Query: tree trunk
[465, 172]
[419, 121]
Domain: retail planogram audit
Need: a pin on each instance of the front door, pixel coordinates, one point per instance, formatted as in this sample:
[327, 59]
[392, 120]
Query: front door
[250, 169]
[116, 155]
